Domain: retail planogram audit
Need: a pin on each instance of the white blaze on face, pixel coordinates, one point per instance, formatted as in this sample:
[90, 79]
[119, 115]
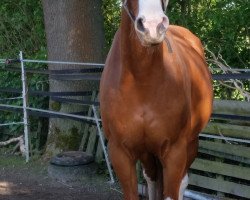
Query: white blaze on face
[150, 7]
[152, 13]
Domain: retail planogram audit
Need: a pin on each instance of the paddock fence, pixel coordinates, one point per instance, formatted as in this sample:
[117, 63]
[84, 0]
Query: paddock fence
[222, 169]
[223, 165]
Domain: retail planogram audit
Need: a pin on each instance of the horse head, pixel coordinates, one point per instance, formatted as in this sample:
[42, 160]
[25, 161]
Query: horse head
[150, 21]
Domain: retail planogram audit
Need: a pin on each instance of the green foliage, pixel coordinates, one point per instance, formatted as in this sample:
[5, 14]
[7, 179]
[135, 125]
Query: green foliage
[111, 12]
[35, 165]
[22, 29]
[222, 25]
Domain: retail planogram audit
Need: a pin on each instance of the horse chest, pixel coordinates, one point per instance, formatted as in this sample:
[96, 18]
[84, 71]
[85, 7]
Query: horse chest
[136, 120]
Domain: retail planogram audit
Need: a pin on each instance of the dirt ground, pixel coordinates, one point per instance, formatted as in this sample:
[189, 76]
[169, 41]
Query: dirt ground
[39, 181]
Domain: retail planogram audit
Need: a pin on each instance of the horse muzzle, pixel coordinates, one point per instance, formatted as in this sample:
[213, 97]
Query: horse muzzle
[151, 31]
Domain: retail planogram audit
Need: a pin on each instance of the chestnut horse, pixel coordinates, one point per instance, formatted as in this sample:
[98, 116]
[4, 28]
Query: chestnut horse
[156, 96]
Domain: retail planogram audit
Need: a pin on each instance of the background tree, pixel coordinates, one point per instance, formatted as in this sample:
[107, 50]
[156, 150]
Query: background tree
[74, 31]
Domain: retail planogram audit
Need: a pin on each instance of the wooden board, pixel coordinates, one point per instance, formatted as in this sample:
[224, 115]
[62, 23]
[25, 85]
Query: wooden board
[99, 152]
[231, 149]
[222, 168]
[231, 107]
[92, 141]
[87, 126]
[223, 155]
[220, 185]
[84, 137]
[228, 130]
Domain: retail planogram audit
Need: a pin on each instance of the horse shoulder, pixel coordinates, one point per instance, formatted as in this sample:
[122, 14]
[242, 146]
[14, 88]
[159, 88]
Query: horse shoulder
[187, 37]
[191, 52]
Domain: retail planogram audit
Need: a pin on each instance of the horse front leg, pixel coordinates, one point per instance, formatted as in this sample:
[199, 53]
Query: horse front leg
[175, 177]
[152, 172]
[124, 167]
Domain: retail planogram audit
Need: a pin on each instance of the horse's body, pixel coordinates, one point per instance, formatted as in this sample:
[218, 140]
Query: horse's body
[154, 102]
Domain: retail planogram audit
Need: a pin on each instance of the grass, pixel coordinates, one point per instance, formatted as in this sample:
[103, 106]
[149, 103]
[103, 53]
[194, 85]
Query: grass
[36, 164]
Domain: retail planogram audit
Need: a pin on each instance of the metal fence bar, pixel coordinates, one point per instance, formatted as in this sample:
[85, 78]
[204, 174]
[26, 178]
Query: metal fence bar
[10, 124]
[51, 112]
[61, 62]
[93, 119]
[2, 61]
[142, 190]
[112, 180]
[25, 113]
[63, 114]
[14, 98]
[196, 196]
[227, 139]
[97, 64]
[233, 69]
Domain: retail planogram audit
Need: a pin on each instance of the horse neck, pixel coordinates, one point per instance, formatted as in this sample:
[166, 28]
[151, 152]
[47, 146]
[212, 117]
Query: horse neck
[136, 58]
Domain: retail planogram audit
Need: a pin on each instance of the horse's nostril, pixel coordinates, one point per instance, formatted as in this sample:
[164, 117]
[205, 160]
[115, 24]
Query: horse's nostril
[139, 24]
[165, 21]
[162, 27]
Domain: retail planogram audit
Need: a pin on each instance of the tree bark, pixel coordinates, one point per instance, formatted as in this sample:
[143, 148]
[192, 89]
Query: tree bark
[74, 32]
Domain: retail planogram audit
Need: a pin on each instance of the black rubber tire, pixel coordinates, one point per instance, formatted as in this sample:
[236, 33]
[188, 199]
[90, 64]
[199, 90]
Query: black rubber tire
[72, 158]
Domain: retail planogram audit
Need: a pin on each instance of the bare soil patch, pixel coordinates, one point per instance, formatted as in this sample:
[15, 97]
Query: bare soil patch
[33, 181]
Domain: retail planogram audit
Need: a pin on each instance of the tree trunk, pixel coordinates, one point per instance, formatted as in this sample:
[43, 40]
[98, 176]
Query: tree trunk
[74, 31]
